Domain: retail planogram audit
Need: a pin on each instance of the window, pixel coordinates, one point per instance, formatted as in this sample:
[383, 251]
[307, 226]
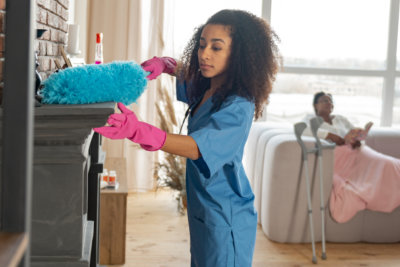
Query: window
[332, 33]
[341, 47]
[347, 48]
[351, 95]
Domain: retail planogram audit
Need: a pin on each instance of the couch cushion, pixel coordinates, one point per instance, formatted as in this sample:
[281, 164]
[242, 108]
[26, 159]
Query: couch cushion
[385, 140]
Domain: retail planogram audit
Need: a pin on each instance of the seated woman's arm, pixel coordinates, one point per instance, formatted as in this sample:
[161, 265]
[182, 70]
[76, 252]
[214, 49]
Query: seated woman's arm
[339, 141]
[335, 138]
[323, 133]
[344, 123]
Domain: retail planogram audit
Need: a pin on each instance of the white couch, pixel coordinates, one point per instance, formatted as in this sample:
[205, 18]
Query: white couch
[272, 161]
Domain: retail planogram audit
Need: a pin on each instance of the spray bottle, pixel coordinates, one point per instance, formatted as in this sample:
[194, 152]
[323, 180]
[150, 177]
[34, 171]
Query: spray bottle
[98, 58]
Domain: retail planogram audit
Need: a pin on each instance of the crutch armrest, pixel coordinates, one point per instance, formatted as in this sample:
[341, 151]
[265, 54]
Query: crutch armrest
[327, 145]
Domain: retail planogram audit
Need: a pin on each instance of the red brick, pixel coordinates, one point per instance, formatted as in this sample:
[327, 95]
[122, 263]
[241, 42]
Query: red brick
[65, 14]
[42, 48]
[62, 12]
[44, 64]
[62, 37]
[2, 18]
[41, 15]
[36, 44]
[44, 3]
[59, 9]
[53, 20]
[49, 49]
[54, 35]
[37, 14]
[53, 6]
[64, 3]
[63, 25]
[55, 49]
[2, 45]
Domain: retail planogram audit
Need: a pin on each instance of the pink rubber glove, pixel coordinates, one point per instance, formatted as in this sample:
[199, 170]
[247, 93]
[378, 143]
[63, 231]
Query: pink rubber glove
[126, 125]
[158, 65]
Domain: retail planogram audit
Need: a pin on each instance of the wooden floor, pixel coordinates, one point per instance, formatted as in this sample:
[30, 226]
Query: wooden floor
[158, 236]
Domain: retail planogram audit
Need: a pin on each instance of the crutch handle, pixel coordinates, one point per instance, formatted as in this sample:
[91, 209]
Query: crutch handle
[315, 123]
[298, 131]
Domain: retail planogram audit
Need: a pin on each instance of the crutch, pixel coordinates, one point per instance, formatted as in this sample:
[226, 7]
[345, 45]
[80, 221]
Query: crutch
[298, 130]
[315, 123]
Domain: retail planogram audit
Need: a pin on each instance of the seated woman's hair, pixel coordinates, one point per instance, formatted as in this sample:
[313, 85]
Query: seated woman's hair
[316, 98]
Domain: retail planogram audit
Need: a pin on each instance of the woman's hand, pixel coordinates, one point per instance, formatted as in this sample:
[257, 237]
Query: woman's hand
[126, 125]
[158, 65]
[354, 136]
[335, 138]
[356, 144]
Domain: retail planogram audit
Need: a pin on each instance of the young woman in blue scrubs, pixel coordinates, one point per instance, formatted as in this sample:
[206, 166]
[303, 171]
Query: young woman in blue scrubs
[225, 76]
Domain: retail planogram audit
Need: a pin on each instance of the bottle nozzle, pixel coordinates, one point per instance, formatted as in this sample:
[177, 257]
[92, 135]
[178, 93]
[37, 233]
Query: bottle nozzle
[99, 38]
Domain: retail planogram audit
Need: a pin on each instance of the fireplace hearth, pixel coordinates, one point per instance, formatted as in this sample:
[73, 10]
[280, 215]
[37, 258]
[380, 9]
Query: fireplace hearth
[65, 204]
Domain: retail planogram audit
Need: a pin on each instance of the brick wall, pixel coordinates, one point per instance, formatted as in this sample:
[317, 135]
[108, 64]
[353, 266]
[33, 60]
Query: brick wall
[51, 15]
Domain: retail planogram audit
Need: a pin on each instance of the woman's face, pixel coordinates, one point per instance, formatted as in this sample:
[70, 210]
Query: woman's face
[324, 105]
[214, 50]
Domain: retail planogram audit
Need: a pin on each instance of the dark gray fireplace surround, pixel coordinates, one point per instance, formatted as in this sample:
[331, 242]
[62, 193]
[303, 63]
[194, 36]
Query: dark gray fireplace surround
[67, 160]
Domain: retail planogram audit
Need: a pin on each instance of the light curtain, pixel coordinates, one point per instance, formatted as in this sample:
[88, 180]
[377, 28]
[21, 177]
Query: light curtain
[133, 30]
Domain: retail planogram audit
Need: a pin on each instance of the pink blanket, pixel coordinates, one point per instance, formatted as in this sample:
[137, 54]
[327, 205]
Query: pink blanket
[363, 179]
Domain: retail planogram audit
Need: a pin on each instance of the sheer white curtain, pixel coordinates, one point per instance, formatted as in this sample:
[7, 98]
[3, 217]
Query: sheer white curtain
[133, 30]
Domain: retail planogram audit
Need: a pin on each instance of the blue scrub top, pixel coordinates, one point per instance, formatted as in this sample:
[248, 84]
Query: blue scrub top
[221, 214]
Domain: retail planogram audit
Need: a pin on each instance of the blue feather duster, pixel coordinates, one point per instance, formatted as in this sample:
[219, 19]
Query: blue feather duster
[113, 82]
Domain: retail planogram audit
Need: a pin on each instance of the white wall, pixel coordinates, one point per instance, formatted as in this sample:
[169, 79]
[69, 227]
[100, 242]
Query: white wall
[78, 15]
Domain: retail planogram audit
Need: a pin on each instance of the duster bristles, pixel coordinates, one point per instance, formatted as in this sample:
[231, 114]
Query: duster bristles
[113, 82]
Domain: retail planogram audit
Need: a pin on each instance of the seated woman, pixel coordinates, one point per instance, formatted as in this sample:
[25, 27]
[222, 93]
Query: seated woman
[363, 178]
[336, 128]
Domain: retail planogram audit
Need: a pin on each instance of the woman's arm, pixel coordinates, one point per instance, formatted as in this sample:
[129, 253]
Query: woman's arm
[181, 145]
[335, 138]
[177, 69]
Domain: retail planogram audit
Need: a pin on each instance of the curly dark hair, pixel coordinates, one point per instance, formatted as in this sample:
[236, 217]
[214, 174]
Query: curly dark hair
[253, 62]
